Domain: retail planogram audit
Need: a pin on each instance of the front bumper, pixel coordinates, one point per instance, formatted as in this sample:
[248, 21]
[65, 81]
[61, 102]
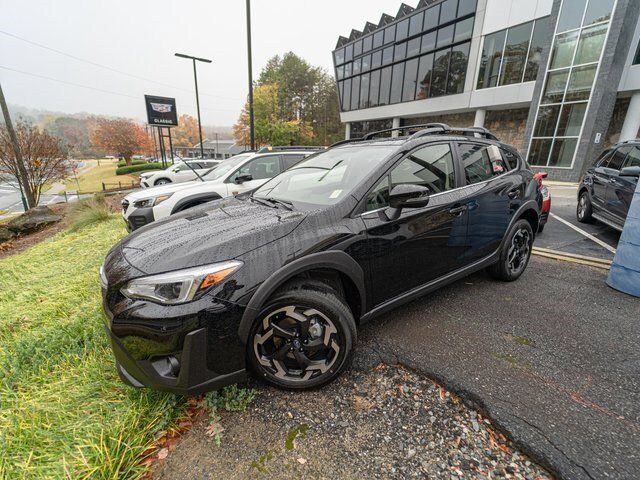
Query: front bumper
[188, 376]
[139, 217]
[184, 349]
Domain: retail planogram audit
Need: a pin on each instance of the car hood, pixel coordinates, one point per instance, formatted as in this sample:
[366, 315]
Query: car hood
[163, 190]
[212, 232]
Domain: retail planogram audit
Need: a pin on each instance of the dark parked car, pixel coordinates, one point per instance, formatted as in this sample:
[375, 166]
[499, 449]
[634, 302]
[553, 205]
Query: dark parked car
[277, 281]
[607, 188]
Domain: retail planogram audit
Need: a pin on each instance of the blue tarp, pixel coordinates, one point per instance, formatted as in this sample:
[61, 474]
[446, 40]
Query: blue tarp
[625, 270]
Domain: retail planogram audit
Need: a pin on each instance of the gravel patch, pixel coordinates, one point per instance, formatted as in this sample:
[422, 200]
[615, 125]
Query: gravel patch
[382, 423]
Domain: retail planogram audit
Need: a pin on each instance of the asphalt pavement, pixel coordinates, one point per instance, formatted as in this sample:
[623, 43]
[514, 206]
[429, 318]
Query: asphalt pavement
[553, 359]
[559, 236]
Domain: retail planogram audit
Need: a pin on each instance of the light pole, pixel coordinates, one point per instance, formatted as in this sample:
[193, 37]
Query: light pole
[252, 131]
[195, 78]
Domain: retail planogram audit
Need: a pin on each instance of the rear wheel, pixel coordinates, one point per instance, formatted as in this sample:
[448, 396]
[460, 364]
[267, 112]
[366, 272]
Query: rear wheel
[515, 253]
[303, 338]
[584, 212]
[162, 181]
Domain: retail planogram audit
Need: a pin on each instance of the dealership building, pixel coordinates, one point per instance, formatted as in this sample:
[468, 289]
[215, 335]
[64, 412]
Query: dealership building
[559, 79]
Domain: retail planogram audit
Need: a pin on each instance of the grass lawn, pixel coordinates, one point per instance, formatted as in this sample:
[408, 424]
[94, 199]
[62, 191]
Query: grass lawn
[64, 413]
[91, 178]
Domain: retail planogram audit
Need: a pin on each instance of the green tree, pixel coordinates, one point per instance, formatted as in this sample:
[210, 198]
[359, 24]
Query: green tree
[302, 104]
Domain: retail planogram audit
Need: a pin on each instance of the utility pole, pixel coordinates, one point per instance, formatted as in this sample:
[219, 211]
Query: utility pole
[251, 120]
[195, 77]
[29, 201]
[217, 150]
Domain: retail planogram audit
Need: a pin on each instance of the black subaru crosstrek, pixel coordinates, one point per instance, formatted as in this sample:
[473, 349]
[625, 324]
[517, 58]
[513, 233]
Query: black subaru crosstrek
[278, 281]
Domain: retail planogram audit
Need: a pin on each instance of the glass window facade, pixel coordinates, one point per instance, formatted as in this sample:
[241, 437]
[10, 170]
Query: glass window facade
[512, 55]
[575, 54]
[424, 54]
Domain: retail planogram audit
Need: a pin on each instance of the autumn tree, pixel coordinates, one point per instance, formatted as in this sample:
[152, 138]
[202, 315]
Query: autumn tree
[120, 137]
[305, 95]
[44, 157]
[186, 133]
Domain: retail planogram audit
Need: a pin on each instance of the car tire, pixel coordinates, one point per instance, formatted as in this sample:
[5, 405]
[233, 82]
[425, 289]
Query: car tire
[303, 338]
[162, 181]
[515, 253]
[584, 210]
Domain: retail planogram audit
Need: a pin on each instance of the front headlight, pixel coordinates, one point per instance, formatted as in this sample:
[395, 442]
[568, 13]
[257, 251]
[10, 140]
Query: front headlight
[180, 286]
[151, 202]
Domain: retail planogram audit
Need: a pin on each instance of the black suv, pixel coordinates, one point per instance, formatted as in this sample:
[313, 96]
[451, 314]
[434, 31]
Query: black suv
[278, 280]
[607, 188]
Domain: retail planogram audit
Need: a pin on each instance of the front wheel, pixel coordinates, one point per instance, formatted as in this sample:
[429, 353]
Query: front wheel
[584, 212]
[303, 338]
[515, 253]
[162, 181]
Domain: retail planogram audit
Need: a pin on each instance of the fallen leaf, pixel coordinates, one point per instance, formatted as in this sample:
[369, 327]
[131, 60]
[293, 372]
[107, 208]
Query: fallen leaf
[302, 461]
[162, 453]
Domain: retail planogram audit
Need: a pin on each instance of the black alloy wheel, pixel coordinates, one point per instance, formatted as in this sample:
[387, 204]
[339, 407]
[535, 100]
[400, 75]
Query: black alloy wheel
[584, 210]
[303, 338]
[515, 253]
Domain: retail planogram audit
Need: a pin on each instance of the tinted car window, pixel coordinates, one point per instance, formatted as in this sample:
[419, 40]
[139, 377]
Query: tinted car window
[481, 162]
[510, 159]
[261, 168]
[617, 159]
[431, 167]
[290, 160]
[602, 159]
[633, 159]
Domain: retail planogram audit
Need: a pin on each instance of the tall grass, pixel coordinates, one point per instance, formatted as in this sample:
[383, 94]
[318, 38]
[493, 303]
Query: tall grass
[89, 211]
[63, 411]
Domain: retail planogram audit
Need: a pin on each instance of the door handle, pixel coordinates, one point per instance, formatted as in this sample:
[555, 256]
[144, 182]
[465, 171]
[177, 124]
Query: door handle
[613, 180]
[457, 211]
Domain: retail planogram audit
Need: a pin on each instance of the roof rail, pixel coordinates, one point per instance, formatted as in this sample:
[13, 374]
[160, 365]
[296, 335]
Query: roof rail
[285, 148]
[342, 142]
[442, 126]
[469, 132]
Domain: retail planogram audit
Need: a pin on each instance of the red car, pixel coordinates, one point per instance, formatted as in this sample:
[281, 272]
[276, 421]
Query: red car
[546, 200]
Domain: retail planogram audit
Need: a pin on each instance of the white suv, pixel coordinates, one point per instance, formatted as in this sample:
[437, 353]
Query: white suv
[177, 173]
[233, 176]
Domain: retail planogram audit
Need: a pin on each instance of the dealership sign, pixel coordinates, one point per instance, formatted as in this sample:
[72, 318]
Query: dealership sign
[161, 111]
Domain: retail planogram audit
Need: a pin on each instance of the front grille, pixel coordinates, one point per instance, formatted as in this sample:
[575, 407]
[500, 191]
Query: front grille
[138, 221]
[125, 205]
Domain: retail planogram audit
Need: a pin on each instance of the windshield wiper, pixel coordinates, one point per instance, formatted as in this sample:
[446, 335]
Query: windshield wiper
[262, 201]
[272, 202]
[283, 203]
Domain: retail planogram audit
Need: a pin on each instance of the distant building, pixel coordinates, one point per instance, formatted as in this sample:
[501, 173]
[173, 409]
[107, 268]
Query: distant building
[218, 149]
[559, 79]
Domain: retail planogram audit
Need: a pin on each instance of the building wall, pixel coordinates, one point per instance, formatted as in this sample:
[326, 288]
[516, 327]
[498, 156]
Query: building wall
[454, 119]
[508, 125]
[617, 119]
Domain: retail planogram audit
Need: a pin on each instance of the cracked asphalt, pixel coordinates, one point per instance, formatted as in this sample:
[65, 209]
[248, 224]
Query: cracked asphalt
[553, 359]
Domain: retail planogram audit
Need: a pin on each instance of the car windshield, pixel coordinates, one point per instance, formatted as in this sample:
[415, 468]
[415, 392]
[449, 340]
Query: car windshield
[223, 167]
[325, 178]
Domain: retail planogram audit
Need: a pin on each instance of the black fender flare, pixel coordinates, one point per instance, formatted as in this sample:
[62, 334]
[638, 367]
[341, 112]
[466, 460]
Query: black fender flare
[199, 197]
[526, 206]
[332, 259]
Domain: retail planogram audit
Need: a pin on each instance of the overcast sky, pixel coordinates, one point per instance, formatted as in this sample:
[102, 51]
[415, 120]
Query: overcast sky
[141, 36]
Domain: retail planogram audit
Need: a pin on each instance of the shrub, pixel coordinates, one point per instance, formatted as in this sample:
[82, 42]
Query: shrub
[88, 212]
[139, 168]
[122, 163]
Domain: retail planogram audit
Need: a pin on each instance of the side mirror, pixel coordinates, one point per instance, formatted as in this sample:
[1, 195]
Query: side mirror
[242, 178]
[408, 196]
[630, 172]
